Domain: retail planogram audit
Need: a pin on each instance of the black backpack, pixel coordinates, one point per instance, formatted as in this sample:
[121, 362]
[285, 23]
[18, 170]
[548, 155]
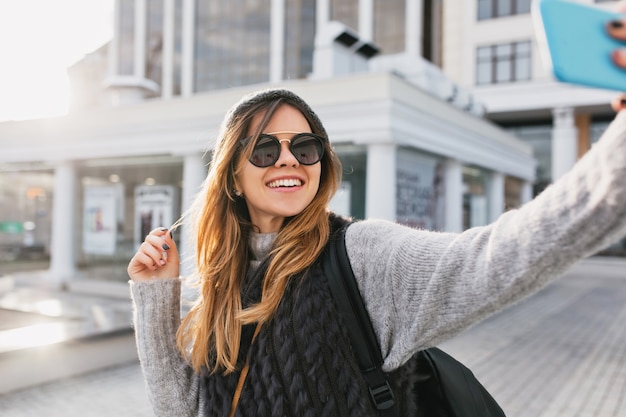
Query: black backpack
[446, 387]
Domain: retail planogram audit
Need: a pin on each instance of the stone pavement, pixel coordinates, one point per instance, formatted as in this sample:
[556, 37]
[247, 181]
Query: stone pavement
[560, 353]
[47, 333]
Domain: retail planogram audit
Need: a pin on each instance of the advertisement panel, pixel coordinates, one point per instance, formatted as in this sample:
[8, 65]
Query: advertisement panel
[101, 218]
[420, 190]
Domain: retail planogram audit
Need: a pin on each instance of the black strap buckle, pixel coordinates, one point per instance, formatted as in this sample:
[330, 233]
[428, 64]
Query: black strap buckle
[382, 396]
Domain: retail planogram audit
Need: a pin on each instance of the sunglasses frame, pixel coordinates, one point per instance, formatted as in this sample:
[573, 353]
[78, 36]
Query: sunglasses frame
[271, 136]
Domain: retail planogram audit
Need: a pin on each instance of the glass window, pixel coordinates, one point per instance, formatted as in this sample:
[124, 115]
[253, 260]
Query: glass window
[512, 193]
[488, 9]
[485, 9]
[25, 218]
[475, 204]
[299, 38]
[119, 201]
[483, 65]
[503, 63]
[126, 38]
[232, 44]
[154, 41]
[503, 60]
[346, 12]
[503, 7]
[389, 25]
[597, 129]
[522, 61]
[351, 196]
[522, 6]
[540, 138]
[178, 47]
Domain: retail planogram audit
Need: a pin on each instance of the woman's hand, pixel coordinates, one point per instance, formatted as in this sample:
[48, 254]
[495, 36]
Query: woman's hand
[617, 30]
[156, 258]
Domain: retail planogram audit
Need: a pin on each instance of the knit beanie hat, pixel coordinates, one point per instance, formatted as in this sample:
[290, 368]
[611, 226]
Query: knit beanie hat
[270, 95]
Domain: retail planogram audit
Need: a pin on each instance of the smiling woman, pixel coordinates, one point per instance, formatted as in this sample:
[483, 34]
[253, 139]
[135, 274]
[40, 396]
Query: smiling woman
[39, 39]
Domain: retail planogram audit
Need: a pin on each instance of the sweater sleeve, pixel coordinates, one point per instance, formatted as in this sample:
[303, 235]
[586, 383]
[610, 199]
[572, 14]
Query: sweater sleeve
[421, 287]
[173, 387]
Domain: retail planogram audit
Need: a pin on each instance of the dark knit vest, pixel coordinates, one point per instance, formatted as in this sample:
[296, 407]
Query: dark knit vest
[301, 363]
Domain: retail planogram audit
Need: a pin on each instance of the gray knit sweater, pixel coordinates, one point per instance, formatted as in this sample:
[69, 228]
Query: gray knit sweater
[423, 287]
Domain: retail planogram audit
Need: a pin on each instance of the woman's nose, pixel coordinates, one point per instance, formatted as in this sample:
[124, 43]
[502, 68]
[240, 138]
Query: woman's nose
[286, 158]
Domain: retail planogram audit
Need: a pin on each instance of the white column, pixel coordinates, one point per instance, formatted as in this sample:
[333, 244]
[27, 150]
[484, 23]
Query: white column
[167, 76]
[194, 172]
[114, 45]
[526, 193]
[380, 190]
[62, 256]
[277, 40]
[414, 27]
[495, 195]
[322, 14]
[366, 20]
[188, 32]
[140, 39]
[564, 141]
[454, 196]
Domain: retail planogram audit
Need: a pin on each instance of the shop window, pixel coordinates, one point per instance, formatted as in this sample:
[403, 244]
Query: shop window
[540, 138]
[350, 198]
[512, 193]
[25, 216]
[475, 204]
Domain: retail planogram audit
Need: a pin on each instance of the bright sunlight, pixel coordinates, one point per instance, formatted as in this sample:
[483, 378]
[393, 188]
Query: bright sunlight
[39, 39]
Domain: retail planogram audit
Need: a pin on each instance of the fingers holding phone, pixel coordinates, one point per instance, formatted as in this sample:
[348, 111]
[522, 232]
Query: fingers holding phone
[157, 257]
[617, 30]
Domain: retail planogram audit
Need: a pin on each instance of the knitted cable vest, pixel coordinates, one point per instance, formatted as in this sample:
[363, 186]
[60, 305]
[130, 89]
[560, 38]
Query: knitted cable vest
[301, 363]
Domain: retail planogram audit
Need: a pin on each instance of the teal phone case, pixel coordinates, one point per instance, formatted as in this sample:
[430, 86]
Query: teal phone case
[574, 42]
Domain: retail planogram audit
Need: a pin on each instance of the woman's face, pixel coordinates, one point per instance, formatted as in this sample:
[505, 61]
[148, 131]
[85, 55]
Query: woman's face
[285, 188]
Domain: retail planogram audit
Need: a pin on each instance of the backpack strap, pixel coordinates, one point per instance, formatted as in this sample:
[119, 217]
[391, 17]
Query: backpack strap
[350, 305]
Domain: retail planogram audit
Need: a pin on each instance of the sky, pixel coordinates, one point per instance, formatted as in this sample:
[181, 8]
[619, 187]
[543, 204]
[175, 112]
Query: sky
[39, 39]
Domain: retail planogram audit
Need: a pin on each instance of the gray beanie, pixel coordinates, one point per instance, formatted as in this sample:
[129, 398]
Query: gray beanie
[270, 95]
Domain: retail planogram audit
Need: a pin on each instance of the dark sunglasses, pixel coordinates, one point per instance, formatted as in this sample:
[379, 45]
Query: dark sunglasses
[307, 148]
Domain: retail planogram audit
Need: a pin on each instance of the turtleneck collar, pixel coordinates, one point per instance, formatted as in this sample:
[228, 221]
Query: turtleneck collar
[260, 246]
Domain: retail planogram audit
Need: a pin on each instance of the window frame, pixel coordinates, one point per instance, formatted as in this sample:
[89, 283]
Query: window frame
[494, 62]
[494, 7]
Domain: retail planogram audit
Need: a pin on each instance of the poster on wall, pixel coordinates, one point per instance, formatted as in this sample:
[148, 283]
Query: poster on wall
[420, 191]
[100, 219]
[154, 207]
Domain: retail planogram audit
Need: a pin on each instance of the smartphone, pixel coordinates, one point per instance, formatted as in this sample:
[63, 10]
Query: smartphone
[574, 44]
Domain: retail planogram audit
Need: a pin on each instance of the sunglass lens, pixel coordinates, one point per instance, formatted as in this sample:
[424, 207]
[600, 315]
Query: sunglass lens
[308, 150]
[265, 152]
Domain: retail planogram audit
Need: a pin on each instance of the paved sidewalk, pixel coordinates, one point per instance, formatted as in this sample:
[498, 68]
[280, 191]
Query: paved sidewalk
[561, 353]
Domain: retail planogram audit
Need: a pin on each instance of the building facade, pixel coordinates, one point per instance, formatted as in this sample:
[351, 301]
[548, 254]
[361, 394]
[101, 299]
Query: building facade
[147, 107]
[490, 47]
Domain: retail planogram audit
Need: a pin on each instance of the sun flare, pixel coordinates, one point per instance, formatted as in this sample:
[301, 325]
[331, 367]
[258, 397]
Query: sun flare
[39, 39]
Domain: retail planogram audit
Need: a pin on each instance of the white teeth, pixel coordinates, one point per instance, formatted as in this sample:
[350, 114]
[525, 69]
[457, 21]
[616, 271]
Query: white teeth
[285, 183]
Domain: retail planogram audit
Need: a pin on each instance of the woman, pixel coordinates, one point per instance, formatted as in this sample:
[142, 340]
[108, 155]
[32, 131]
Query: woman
[264, 338]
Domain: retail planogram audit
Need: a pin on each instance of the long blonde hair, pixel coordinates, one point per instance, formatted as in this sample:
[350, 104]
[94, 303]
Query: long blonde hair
[210, 334]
